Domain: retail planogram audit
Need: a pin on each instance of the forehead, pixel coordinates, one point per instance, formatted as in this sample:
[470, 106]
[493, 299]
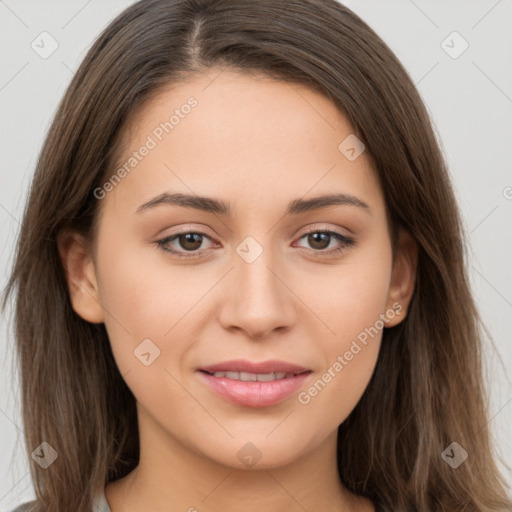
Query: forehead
[238, 136]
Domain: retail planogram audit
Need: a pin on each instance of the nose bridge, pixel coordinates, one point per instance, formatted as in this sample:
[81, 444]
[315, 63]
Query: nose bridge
[259, 300]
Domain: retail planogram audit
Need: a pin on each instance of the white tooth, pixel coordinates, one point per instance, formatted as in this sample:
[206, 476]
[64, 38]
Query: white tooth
[245, 376]
[253, 377]
[264, 377]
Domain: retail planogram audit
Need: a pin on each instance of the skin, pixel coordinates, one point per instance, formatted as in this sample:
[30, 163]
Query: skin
[258, 144]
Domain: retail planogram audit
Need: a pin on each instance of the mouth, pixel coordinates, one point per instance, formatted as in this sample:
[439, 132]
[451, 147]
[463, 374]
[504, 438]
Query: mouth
[251, 384]
[255, 377]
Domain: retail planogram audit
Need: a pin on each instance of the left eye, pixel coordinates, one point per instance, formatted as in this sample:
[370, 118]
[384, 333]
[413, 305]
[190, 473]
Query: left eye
[191, 241]
[318, 239]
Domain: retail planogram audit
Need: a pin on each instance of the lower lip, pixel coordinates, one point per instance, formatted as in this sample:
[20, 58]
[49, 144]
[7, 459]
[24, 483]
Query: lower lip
[254, 394]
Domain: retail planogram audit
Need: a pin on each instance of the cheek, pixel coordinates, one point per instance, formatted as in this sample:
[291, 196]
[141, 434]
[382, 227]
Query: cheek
[142, 301]
[139, 288]
[349, 297]
[350, 300]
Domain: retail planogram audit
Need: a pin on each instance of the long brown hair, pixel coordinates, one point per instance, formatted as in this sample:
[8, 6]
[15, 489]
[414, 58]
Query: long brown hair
[427, 389]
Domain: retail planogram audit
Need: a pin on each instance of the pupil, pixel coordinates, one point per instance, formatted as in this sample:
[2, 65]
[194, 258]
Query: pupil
[314, 238]
[191, 238]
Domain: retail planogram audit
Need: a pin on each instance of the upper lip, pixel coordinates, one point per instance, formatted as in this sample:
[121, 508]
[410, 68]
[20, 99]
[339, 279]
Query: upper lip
[242, 365]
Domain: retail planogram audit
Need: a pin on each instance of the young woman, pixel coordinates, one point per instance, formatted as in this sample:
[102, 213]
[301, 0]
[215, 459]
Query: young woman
[240, 278]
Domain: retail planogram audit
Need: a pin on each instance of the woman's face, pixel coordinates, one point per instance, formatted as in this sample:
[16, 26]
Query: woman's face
[259, 278]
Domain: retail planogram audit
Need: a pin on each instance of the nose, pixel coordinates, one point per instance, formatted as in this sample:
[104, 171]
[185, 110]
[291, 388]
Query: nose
[257, 298]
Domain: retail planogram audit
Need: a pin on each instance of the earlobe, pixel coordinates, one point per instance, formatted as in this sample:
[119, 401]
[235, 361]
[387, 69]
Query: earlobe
[403, 279]
[80, 275]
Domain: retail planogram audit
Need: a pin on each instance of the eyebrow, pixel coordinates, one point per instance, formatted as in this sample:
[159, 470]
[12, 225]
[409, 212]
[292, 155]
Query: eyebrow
[217, 206]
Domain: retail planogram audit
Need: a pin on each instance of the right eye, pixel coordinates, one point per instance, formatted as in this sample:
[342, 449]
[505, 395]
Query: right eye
[189, 241]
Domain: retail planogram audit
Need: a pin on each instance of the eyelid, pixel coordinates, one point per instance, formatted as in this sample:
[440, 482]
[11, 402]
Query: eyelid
[323, 229]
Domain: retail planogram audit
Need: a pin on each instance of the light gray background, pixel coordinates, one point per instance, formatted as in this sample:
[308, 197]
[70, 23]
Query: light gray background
[469, 99]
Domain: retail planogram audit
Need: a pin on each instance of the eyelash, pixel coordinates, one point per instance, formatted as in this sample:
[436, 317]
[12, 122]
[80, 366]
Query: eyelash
[343, 239]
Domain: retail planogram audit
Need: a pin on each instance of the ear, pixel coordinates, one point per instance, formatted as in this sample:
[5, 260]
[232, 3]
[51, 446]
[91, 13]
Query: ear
[81, 276]
[403, 278]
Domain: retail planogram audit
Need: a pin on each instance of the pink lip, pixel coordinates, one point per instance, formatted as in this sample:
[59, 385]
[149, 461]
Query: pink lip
[242, 365]
[254, 393]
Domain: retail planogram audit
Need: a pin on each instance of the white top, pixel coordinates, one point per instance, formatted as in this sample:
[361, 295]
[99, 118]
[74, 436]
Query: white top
[100, 504]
